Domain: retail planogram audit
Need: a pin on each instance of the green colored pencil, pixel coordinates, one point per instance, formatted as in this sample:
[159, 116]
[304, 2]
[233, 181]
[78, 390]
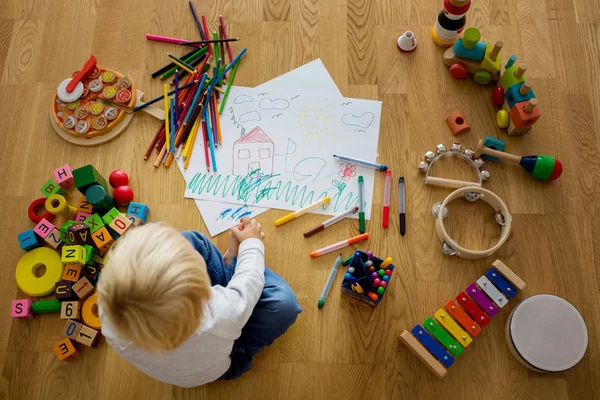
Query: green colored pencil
[216, 37]
[222, 106]
[187, 60]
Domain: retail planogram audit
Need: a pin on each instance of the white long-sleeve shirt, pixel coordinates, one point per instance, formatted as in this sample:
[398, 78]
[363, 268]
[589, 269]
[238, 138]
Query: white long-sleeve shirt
[204, 357]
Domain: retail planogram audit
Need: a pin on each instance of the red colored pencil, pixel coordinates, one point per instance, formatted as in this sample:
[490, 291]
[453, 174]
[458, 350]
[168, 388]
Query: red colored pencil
[229, 53]
[154, 140]
[206, 33]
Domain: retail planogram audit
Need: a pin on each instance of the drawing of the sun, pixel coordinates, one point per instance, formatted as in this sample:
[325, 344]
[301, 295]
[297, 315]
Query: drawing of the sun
[313, 121]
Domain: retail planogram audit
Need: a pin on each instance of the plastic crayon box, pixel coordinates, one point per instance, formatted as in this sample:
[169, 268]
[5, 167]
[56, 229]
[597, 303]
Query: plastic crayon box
[362, 277]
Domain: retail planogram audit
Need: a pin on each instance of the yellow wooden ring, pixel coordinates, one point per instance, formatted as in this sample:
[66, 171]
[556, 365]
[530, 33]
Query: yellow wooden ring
[89, 312]
[30, 284]
[57, 204]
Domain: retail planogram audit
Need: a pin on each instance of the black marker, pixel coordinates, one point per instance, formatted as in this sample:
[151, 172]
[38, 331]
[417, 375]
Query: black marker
[402, 212]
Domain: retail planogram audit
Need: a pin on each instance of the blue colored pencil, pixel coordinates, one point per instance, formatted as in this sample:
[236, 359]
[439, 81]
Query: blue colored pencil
[210, 141]
[195, 99]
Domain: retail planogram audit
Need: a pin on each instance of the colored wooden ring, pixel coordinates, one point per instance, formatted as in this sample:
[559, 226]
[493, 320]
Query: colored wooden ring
[89, 312]
[456, 10]
[37, 205]
[436, 39]
[27, 266]
[451, 24]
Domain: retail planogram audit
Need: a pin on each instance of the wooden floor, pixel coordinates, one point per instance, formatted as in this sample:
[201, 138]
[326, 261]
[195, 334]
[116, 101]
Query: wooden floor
[346, 350]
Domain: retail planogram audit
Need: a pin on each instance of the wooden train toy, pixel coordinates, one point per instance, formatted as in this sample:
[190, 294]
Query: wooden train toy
[77, 240]
[443, 338]
[469, 55]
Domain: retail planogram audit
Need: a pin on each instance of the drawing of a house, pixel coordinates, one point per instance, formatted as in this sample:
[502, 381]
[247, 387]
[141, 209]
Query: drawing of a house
[253, 151]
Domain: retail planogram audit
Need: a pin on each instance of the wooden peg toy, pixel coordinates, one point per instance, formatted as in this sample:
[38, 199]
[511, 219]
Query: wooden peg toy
[120, 224]
[57, 204]
[73, 254]
[51, 187]
[89, 312]
[525, 114]
[83, 288]
[495, 144]
[64, 176]
[544, 168]
[102, 239]
[71, 329]
[28, 240]
[518, 93]
[71, 272]
[70, 309]
[437, 342]
[87, 176]
[84, 206]
[80, 234]
[87, 336]
[65, 350]
[513, 75]
[457, 123]
[53, 239]
[21, 309]
[37, 211]
[37, 271]
[63, 290]
[491, 60]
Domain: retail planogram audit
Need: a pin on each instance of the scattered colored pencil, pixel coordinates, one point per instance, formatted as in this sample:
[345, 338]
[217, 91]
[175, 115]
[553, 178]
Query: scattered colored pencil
[171, 65]
[159, 98]
[187, 60]
[206, 34]
[167, 39]
[167, 125]
[180, 63]
[229, 53]
[195, 14]
[176, 98]
[216, 114]
[231, 77]
[200, 42]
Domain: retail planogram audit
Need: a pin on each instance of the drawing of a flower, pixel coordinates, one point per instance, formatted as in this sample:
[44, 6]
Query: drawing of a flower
[347, 171]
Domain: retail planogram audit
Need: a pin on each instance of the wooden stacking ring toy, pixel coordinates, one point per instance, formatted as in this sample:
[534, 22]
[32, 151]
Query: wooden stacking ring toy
[473, 193]
[431, 158]
[36, 206]
[27, 267]
[89, 312]
[546, 333]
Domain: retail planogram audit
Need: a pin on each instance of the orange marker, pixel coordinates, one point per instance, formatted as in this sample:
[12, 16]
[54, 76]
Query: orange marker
[339, 245]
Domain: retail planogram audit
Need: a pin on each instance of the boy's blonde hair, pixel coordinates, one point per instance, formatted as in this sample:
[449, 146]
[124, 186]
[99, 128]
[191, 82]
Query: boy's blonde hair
[154, 287]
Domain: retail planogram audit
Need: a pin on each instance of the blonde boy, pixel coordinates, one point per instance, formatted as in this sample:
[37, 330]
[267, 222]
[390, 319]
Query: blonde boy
[171, 305]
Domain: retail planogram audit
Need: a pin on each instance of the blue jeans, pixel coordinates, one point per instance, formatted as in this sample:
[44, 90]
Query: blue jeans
[276, 310]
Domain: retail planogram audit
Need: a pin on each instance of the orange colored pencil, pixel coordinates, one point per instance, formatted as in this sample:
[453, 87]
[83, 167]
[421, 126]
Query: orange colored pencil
[160, 156]
[217, 120]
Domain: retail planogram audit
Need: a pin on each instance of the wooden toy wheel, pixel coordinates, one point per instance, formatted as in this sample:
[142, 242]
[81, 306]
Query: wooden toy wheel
[458, 70]
[482, 77]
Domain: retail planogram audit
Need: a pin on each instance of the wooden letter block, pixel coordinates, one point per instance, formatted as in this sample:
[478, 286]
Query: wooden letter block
[138, 210]
[73, 254]
[79, 233]
[120, 224]
[101, 257]
[135, 221]
[71, 329]
[43, 228]
[64, 232]
[102, 239]
[83, 288]
[84, 206]
[71, 272]
[110, 215]
[65, 350]
[63, 289]
[70, 310]
[53, 239]
[28, 240]
[87, 176]
[91, 272]
[87, 336]
[51, 188]
[525, 114]
[90, 254]
[21, 309]
[64, 176]
[82, 216]
[94, 222]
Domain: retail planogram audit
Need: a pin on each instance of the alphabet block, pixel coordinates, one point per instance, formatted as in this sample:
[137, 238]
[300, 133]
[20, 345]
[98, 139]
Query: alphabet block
[87, 176]
[84, 206]
[90, 254]
[65, 350]
[53, 239]
[94, 222]
[120, 224]
[63, 289]
[101, 257]
[87, 336]
[51, 188]
[91, 272]
[64, 176]
[477, 53]
[71, 272]
[21, 309]
[82, 216]
[138, 210]
[43, 228]
[73, 254]
[525, 114]
[71, 329]
[109, 216]
[102, 239]
[135, 221]
[28, 240]
[83, 288]
[79, 233]
[518, 93]
[70, 309]
[64, 232]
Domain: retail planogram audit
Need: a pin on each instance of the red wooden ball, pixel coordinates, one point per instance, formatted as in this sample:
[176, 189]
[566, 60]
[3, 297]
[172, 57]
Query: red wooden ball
[123, 195]
[118, 178]
[498, 96]
[458, 70]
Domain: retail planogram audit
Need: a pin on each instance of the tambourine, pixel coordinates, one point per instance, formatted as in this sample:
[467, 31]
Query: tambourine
[476, 165]
[471, 193]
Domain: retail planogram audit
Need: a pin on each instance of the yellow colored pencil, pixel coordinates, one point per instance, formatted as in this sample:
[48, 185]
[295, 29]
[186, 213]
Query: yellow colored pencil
[217, 121]
[189, 156]
[188, 144]
[167, 135]
[177, 62]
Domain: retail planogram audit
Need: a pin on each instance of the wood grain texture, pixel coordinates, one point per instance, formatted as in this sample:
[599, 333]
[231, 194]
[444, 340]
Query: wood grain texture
[346, 350]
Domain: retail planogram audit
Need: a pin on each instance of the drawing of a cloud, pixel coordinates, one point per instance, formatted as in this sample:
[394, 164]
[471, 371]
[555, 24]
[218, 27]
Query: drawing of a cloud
[273, 104]
[250, 116]
[362, 121]
[242, 98]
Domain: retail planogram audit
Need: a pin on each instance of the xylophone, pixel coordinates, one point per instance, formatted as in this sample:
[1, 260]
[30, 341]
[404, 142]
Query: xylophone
[438, 341]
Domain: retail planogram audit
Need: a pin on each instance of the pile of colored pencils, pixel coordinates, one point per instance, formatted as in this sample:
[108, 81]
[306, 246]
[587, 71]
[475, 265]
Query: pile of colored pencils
[192, 106]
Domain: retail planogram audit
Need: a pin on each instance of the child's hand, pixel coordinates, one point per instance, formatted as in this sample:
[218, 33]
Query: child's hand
[247, 229]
